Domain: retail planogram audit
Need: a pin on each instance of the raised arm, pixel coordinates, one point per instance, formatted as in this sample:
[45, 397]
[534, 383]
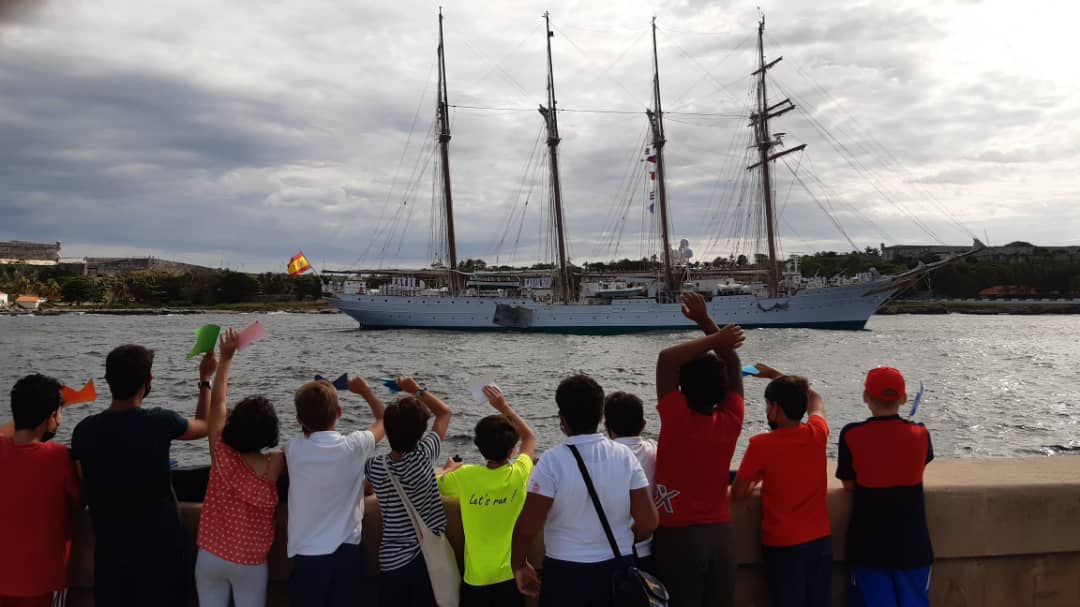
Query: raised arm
[693, 307]
[525, 433]
[671, 359]
[357, 385]
[815, 405]
[439, 409]
[215, 418]
[197, 427]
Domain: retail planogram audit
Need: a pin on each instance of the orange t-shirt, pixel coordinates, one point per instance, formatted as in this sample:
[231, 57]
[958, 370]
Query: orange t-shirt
[791, 464]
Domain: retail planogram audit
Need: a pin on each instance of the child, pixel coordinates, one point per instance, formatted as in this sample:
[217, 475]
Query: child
[790, 461]
[624, 419]
[491, 498]
[236, 527]
[414, 450]
[40, 491]
[122, 455]
[326, 500]
[699, 384]
[881, 462]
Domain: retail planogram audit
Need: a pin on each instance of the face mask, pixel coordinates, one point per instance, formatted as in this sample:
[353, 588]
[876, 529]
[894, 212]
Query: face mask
[49, 434]
[772, 425]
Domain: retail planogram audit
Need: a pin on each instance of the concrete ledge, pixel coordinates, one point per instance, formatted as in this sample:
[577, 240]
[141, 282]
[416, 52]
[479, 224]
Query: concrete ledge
[1005, 532]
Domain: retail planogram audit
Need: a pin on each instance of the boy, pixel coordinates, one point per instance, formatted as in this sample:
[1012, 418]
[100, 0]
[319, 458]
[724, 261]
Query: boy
[790, 460]
[699, 384]
[122, 454]
[624, 420]
[40, 493]
[491, 498]
[326, 499]
[414, 451]
[881, 462]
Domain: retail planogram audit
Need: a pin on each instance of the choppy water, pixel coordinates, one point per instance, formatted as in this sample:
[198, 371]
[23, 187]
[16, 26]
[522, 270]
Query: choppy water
[995, 385]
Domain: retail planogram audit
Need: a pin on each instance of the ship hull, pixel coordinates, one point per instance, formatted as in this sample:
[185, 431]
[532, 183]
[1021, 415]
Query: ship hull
[847, 307]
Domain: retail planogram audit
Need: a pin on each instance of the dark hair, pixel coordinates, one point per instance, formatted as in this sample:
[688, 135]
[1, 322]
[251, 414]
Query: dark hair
[581, 403]
[127, 368]
[703, 381]
[316, 406]
[624, 414]
[34, 399]
[791, 393]
[252, 425]
[405, 421]
[495, 436]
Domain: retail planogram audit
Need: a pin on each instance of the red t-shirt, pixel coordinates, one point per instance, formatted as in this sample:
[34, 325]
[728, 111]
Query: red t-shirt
[692, 459]
[38, 484]
[791, 464]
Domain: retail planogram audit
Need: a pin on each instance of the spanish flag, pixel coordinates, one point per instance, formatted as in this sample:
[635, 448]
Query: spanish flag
[298, 264]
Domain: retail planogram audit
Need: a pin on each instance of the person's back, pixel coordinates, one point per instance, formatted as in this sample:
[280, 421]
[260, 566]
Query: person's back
[40, 492]
[624, 419]
[699, 387]
[881, 461]
[414, 450]
[790, 463]
[579, 559]
[123, 457]
[326, 496]
[491, 497]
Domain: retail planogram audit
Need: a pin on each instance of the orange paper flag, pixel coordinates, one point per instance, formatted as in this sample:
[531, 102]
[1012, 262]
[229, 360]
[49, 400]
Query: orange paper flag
[88, 394]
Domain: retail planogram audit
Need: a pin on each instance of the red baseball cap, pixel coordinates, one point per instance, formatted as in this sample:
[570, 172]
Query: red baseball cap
[886, 384]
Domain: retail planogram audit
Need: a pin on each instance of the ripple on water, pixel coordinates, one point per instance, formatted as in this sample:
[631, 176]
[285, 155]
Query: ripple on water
[995, 386]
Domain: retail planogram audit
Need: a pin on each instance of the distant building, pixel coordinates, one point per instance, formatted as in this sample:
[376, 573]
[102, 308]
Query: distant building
[1014, 252]
[111, 266]
[28, 302]
[3, 299]
[29, 253]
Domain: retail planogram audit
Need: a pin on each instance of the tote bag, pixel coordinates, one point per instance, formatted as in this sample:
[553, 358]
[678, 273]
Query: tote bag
[438, 553]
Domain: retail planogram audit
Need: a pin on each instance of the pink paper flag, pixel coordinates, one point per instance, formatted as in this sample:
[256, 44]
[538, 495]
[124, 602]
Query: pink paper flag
[254, 332]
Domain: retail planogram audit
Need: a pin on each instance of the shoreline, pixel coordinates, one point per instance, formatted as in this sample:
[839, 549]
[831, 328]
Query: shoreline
[919, 307]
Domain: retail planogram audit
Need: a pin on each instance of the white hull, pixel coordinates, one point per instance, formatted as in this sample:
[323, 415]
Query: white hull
[847, 307]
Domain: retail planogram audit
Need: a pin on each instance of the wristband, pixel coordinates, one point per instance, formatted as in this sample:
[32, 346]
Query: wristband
[420, 393]
[204, 384]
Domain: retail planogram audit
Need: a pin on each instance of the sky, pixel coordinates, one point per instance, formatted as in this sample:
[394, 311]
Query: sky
[234, 134]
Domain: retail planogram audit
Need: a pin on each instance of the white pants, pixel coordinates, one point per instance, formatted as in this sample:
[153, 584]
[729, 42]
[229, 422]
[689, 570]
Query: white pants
[216, 579]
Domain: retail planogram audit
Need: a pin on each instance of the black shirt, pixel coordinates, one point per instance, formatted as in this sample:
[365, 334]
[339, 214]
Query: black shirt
[886, 457]
[125, 463]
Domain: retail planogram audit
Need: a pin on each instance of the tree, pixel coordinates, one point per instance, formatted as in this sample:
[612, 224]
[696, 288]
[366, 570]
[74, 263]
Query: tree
[78, 289]
[741, 261]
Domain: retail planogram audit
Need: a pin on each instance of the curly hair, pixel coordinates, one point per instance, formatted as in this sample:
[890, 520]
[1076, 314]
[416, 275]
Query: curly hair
[252, 425]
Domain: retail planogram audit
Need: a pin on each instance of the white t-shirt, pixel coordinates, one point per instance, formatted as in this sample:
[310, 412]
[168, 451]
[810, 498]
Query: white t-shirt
[645, 451]
[326, 490]
[573, 531]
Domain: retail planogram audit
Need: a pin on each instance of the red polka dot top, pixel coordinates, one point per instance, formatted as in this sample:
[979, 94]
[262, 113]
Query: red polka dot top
[237, 521]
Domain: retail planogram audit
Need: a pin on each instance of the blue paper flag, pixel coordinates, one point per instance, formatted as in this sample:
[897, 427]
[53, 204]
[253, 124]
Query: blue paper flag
[341, 383]
[391, 384]
[918, 399]
[750, 370]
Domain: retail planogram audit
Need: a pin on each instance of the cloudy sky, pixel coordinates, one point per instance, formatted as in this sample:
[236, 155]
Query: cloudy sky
[235, 133]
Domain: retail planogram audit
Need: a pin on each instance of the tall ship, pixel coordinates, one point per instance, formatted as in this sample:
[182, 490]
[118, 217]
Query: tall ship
[562, 298]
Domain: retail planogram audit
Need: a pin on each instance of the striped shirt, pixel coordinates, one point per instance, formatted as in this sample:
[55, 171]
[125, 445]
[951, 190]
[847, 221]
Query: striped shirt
[416, 473]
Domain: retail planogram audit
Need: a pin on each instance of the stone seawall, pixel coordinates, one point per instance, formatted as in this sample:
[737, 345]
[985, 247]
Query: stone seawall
[1005, 532]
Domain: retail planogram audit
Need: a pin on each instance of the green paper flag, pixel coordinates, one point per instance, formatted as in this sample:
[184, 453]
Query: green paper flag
[205, 339]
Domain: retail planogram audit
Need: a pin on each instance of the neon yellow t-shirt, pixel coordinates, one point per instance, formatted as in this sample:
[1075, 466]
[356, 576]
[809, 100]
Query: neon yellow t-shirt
[491, 500]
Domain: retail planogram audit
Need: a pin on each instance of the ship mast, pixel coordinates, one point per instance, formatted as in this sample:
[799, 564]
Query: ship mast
[565, 286]
[443, 138]
[759, 120]
[656, 121]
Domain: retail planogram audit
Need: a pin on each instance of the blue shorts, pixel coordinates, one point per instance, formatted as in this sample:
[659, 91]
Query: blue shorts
[872, 587]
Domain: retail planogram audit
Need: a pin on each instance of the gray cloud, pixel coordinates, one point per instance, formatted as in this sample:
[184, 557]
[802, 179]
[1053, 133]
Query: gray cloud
[213, 133]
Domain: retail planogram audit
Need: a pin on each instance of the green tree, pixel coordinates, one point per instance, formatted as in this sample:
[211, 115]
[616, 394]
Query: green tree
[79, 289]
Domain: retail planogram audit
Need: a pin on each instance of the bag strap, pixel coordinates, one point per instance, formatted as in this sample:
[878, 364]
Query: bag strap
[596, 502]
[414, 516]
